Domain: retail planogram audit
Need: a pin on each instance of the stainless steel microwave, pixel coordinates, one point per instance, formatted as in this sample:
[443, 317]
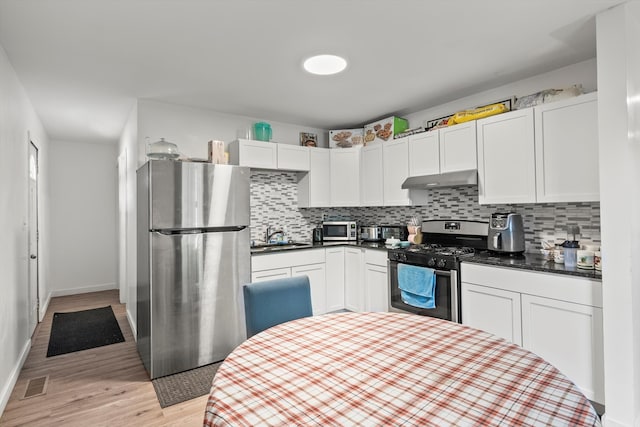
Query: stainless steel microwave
[339, 230]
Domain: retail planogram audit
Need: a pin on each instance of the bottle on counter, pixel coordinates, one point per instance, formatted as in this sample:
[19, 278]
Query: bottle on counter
[570, 249]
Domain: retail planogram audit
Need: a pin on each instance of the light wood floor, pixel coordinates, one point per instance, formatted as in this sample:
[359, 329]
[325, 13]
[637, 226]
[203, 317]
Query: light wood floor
[101, 386]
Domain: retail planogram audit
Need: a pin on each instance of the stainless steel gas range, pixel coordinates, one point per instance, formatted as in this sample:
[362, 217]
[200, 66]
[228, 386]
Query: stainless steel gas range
[446, 243]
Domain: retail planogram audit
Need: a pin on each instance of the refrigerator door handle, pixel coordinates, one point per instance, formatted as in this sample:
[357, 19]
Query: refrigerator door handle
[172, 231]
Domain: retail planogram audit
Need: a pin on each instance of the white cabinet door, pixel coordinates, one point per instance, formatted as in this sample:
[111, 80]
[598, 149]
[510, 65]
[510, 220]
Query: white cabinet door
[314, 187]
[396, 170]
[345, 176]
[492, 310]
[566, 139]
[293, 157]
[317, 281]
[254, 154]
[278, 273]
[506, 158]
[424, 153]
[335, 278]
[458, 147]
[354, 292]
[371, 175]
[569, 336]
[376, 288]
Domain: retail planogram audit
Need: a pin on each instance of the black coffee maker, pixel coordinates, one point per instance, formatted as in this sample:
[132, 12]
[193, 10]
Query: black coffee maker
[317, 234]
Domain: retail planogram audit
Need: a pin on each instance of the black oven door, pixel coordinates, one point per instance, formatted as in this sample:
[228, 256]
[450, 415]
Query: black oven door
[446, 295]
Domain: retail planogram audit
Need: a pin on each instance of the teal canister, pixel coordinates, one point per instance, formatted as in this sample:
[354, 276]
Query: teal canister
[262, 131]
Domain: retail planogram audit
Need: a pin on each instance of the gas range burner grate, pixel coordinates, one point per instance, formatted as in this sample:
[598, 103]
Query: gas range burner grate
[432, 248]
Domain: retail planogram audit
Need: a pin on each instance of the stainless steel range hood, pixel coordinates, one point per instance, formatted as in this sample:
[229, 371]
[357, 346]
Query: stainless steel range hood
[448, 179]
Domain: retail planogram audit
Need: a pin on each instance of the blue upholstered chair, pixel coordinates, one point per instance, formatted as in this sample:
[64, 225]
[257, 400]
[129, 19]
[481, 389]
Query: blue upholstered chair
[272, 302]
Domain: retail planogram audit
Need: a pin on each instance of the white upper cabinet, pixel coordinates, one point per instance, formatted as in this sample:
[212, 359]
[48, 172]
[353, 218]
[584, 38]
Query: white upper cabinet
[506, 158]
[424, 154]
[458, 147]
[293, 157]
[566, 141]
[396, 170]
[345, 176]
[371, 192]
[447, 149]
[254, 154]
[314, 187]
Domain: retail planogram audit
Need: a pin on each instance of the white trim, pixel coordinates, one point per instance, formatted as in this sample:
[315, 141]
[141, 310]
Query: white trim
[84, 290]
[44, 305]
[132, 325]
[13, 377]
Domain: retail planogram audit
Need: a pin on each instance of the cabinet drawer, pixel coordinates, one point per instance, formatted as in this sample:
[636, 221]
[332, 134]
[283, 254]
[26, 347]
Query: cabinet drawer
[283, 259]
[376, 257]
[578, 290]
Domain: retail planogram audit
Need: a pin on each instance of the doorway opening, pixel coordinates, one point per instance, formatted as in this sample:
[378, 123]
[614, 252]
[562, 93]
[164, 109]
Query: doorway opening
[34, 268]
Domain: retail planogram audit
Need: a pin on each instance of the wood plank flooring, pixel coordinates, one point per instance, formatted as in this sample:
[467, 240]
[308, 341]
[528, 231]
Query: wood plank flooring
[101, 386]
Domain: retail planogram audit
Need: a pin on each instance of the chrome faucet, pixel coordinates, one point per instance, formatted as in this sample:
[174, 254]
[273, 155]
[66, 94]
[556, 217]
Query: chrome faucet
[269, 234]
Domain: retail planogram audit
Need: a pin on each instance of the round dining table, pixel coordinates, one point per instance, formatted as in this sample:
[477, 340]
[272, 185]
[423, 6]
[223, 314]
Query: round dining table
[389, 369]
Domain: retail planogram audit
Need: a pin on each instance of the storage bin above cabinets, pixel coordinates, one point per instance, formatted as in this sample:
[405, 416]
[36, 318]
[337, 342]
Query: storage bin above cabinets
[547, 153]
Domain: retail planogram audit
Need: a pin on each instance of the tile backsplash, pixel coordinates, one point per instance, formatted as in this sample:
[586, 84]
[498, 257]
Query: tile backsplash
[274, 203]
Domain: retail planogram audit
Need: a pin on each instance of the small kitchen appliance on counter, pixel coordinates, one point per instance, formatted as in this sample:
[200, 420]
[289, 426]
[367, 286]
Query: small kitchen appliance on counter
[370, 233]
[339, 231]
[506, 233]
[394, 231]
[317, 234]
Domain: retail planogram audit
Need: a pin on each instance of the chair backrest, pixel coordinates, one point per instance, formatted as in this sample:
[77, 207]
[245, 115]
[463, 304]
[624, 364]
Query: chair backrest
[272, 302]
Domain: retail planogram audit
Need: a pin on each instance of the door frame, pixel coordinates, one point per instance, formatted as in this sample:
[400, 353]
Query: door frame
[33, 291]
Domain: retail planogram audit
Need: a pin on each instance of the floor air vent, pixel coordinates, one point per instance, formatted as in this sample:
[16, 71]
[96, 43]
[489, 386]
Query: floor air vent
[36, 387]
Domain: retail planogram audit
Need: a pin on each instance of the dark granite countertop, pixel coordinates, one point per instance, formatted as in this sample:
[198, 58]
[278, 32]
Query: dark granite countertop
[535, 262]
[306, 245]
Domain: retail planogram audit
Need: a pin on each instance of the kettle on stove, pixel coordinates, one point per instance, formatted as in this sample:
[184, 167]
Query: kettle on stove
[506, 233]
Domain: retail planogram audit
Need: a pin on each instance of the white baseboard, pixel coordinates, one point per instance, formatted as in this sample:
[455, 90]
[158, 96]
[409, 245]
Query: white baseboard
[84, 290]
[13, 378]
[132, 324]
[44, 305]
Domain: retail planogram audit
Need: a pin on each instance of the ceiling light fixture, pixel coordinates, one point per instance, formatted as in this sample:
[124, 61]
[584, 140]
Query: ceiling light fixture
[325, 65]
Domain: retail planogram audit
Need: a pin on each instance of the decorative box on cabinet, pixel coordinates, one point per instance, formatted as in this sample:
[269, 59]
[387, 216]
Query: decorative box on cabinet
[314, 187]
[566, 141]
[506, 158]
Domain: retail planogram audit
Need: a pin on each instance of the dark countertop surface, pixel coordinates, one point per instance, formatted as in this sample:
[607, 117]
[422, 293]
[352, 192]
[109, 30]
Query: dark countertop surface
[527, 261]
[535, 262]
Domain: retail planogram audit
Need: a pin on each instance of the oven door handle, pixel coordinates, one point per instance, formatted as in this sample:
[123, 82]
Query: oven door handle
[455, 298]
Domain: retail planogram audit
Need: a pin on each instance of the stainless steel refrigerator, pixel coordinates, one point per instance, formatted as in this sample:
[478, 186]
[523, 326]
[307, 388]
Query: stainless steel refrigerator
[193, 248]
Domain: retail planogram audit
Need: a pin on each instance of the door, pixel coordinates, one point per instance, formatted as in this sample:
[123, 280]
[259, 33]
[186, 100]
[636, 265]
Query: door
[396, 171]
[317, 281]
[458, 147]
[371, 176]
[376, 288]
[424, 153]
[353, 286]
[122, 226]
[345, 176]
[33, 238]
[335, 278]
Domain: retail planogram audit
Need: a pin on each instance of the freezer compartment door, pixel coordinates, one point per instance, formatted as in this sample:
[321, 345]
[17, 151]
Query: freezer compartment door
[197, 310]
[188, 195]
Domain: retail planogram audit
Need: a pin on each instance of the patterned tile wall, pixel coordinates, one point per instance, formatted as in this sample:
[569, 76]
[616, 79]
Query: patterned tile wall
[274, 203]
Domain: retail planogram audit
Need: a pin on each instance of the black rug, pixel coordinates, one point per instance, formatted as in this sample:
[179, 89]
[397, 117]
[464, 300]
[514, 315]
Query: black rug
[82, 330]
[185, 386]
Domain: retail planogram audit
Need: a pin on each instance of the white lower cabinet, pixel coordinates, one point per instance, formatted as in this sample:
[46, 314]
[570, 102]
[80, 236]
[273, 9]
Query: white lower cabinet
[558, 317]
[317, 280]
[569, 336]
[309, 262]
[376, 286]
[353, 283]
[492, 310]
[335, 278]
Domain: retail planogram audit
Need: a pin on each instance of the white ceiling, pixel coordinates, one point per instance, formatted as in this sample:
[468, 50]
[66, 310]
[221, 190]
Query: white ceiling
[84, 62]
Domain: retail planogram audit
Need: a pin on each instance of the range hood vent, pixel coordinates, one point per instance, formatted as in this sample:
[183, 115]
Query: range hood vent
[449, 179]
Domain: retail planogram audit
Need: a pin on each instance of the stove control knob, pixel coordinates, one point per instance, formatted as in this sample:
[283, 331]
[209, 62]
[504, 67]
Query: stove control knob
[441, 263]
[403, 257]
[431, 262]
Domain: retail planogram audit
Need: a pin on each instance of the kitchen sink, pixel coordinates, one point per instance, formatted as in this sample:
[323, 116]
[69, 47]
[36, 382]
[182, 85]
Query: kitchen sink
[272, 247]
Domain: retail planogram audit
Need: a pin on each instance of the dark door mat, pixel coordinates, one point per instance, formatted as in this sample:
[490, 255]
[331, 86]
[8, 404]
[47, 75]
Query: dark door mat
[82, 330]
[185, 386]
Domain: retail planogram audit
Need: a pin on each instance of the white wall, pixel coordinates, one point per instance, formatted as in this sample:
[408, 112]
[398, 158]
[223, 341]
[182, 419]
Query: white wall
[618, 44]
[581, 73]
[83, 178]
[17, 120]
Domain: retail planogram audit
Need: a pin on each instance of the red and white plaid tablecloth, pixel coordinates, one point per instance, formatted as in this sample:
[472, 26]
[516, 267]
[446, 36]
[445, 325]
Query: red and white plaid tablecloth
[383, 369]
